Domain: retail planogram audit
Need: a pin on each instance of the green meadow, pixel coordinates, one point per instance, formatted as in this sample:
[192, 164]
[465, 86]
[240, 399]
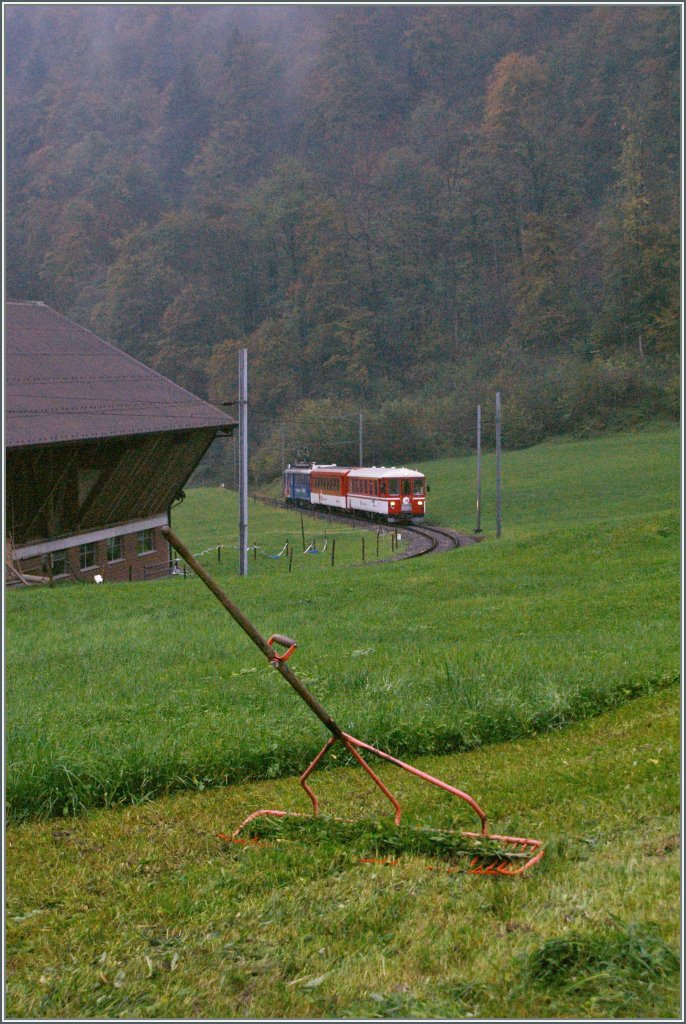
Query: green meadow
[142, 912]
[121, 693]
[538, 672]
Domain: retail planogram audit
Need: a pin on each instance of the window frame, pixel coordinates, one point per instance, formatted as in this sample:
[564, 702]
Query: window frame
[120, 547]
[139, 540]
[90, 548]
[65, 553]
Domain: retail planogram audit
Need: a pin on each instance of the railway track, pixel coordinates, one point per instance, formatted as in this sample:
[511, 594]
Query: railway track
[425, 540]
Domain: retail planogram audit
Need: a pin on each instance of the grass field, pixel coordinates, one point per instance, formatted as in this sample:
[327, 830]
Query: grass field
[124, 692]
[141, 912]
[536, 672]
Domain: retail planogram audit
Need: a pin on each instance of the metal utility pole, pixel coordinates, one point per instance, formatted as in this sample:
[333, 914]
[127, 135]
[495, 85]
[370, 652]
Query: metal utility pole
[283, 447]
[235, 461]
[478, 469]
[243, 462]
[497, 466]
[361, 418]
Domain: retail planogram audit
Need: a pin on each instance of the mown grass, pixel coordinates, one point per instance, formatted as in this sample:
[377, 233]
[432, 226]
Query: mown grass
[142, 912]
[122, 693]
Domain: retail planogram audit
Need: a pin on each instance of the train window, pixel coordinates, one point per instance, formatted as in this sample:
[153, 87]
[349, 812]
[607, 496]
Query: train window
[418, 486]
[382, 487]
[406, 486]
[393, 487]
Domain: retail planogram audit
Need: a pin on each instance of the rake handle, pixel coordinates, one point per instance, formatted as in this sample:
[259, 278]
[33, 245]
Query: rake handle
[257, 638]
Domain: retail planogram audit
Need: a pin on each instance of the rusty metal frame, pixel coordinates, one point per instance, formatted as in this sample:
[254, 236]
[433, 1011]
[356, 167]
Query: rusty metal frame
[518, 844]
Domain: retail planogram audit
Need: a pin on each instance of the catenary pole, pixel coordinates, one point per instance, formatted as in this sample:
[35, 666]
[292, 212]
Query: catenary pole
[478, 469]
[243, 462]
[498, 505]
[361, 419]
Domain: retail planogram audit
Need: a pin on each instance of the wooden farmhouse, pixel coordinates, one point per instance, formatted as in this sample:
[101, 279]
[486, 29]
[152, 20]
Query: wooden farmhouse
[97, 447]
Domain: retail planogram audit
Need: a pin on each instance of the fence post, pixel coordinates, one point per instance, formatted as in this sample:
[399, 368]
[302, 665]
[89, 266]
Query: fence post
[363, 558]
[219, 552]
[302, 529]
[333, 551]
[290, 558]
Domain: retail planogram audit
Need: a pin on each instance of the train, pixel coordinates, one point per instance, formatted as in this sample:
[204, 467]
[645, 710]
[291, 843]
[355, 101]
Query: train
[391, 495]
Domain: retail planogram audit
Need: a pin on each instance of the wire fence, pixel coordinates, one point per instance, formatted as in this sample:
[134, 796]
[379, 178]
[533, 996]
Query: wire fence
[175, 566]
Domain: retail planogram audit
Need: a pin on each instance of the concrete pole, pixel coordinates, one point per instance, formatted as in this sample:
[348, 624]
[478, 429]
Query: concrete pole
[361, 462]
[498, 506]
[283, 447]
[478, 469]
[243, 462]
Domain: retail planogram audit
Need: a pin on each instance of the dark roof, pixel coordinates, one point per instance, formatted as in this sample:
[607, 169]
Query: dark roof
[63, 383]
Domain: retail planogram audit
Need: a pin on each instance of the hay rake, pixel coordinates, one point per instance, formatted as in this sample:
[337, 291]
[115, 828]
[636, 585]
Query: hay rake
[491, 854]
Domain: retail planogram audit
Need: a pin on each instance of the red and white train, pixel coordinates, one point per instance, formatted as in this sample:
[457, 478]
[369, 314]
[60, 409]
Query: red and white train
[394, 495]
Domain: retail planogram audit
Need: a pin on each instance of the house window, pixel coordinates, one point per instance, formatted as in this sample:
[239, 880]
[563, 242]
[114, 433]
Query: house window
[144, 543]
[59, 563]
[86, 556]
[114, 549]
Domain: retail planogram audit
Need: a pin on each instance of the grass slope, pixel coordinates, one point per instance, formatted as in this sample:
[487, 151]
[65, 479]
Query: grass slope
[143, 913]
[122, 693]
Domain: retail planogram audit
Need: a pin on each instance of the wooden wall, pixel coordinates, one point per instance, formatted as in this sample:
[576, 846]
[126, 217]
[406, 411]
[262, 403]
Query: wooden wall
[60, 490]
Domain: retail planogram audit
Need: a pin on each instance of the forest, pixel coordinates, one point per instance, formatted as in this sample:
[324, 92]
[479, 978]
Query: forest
[397, 210]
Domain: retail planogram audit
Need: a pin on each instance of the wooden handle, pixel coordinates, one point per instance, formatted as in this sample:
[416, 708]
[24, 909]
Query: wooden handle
[256, 637]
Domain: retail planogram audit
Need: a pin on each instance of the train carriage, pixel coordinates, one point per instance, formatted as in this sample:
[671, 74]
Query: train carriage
[328, 486]
[296, 484]
[397, 495]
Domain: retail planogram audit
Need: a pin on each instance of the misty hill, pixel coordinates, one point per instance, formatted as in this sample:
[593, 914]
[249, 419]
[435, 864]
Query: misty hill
[396, 209]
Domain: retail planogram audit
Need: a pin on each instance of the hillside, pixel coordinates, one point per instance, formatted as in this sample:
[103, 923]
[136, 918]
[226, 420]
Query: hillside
[127, 691]
[538, 672]
[396, 209]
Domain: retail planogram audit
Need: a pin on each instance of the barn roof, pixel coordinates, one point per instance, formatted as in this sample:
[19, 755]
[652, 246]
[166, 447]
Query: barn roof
[64, 383]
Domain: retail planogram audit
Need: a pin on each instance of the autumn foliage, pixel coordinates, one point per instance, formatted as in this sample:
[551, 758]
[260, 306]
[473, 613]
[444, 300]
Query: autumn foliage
[397, 209]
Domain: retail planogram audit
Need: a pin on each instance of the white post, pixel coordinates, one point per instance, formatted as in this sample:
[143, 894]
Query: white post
[243, 462]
